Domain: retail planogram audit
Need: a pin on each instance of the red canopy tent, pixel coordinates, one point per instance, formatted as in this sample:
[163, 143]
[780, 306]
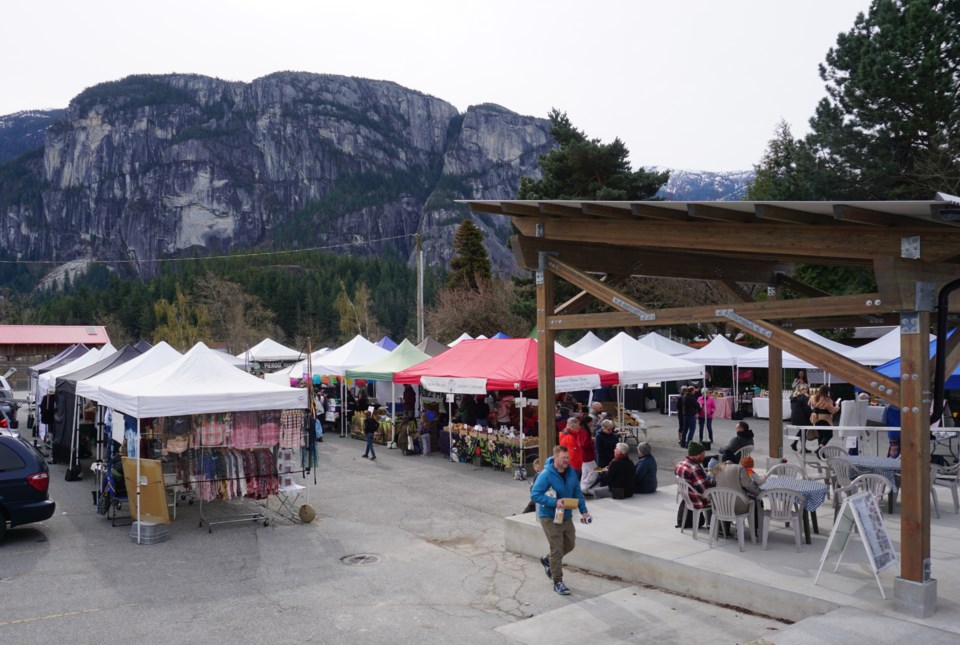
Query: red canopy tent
[475, 366]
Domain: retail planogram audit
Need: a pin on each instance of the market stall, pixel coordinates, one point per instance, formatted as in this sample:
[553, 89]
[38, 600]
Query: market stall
[226, 433]
[358, 351]
[664, 345]
[382, 371]
[270, 355]
[481, 366]
[721, 351]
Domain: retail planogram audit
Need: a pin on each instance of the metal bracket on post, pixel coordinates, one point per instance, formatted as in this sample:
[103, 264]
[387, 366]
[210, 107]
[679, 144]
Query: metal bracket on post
[636, 311]
[744, 322]
[909, 323]
[771, 291]
[910, 247]
[925, 296]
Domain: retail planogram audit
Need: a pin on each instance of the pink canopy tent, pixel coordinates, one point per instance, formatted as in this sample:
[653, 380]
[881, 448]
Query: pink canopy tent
[474, 366]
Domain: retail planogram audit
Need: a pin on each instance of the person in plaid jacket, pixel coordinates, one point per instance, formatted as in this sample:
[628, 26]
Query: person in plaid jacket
[691, 471]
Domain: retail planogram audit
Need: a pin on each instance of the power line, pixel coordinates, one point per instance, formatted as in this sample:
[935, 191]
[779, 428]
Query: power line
[216, 257]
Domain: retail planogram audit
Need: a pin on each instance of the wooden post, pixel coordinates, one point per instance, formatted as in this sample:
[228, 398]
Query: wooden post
[915, 446]
[775, 387]
[546, 374]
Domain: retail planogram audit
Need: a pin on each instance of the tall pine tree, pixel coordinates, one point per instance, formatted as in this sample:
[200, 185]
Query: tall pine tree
[470, 263]
[582, 168]
[889, 127]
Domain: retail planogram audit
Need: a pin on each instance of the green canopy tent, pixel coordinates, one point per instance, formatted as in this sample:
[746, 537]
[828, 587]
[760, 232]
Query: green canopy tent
[405, 355]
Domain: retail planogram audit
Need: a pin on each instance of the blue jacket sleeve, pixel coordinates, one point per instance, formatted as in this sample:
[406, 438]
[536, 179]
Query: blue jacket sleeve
[538, 492]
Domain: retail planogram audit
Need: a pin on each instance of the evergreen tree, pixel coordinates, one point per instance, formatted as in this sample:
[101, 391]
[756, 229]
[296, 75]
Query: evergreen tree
[889, 127]
[582, 168]
[784, 172]
[470, 263]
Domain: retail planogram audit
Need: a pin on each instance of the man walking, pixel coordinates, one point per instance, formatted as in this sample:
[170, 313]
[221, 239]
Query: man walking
[555, 514]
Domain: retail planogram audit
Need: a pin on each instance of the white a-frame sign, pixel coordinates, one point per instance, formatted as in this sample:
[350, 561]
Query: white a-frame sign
[860, 510]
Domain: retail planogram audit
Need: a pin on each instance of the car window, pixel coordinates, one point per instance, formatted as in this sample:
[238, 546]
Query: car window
[9, 460]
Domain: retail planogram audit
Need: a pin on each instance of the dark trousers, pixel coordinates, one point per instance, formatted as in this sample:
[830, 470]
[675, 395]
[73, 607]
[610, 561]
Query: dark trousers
[561, 538]
[369, 449]
[824, 436]
[709, 423]
[691, 423]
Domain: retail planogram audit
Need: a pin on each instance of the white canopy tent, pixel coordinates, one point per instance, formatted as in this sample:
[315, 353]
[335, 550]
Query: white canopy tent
[269, 350]
[230, 359]
[151, 361]
[198, 382]
[664, 345]
[588, 343]
[761, 357]
[882, 350]
[636, 363]
[462, 337]
[359, 351]
[48, 380]
[720, 351]
[286, 375]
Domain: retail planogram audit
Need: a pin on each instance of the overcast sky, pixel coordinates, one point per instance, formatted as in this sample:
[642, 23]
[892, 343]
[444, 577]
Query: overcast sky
[686, 84]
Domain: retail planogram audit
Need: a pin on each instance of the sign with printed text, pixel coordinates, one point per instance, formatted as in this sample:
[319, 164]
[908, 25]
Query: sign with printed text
[577, 383]
[450, 385]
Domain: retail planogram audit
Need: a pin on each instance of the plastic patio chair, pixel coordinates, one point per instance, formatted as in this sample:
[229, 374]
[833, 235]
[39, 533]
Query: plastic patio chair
[685, 491]
[780, 505]
[840, 472]
[829, 452]
[946, 476]
[746, 451]
[723, 501]
[787, 470]
[877, 485]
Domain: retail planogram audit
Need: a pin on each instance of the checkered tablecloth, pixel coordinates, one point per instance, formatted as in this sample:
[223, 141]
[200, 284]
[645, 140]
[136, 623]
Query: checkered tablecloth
[889, 468]
[813, 492]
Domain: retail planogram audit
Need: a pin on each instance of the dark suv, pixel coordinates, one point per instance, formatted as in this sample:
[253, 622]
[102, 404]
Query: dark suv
[24, 481]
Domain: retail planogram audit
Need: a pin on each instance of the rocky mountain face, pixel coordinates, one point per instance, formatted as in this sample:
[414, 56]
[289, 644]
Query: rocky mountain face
[23, 131]
[701, 185]
[159, 166]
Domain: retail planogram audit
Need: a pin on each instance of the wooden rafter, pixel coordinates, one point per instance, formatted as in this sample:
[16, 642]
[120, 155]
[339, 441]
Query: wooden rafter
[826, 359]
[767, 310]
[703, 211]
[789, 215]
[603, 292]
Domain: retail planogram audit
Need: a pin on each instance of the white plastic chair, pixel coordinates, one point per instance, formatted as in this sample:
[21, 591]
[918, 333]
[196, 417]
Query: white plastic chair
[724, 501]
[780, 505]
[746, 451]
[877, 485]
[830, 452]
[787, 470]
[946, 476]
[685, 491]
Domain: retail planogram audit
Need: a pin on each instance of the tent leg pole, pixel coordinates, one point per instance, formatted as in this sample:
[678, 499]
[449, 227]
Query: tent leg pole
[139, 456]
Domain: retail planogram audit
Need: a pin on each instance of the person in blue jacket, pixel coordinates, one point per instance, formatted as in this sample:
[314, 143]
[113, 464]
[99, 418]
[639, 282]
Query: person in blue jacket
[558, 476]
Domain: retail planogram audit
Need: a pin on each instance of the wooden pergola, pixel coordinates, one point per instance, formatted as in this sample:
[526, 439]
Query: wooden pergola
[913, 248]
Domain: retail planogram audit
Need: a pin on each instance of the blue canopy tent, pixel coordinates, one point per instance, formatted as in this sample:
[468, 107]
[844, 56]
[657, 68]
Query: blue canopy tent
[387, 343]
[500, 335]
[892, 368]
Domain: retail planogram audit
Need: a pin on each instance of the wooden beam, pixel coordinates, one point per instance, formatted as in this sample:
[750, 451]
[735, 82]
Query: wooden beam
[769, 309]
[526, 210]
[799, 287]
[609, 211]
[546, 373]
[914, 446]
[583, 299]
[734, 290]
[952, 350]
[826, 359]
[790, 215]
[601, 291]
[855, 214]
[897, 279]
[493, 208]
[563, 210]
[659, 213]
[844, 243]
[622, 260]
[704, 211]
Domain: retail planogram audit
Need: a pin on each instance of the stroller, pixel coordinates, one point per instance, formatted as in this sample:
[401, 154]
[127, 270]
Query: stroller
[113, 487]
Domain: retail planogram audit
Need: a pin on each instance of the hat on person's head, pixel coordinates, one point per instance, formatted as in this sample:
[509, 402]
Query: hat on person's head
[747, 462]
[695, 448]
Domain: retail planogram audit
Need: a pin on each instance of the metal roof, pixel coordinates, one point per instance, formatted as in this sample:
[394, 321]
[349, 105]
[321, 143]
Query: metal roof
[53, 335]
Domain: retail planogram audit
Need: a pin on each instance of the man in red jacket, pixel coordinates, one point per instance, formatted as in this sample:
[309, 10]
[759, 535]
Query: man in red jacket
[572, 438]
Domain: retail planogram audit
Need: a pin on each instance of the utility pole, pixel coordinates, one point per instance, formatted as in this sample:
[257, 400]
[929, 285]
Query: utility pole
[420, 268]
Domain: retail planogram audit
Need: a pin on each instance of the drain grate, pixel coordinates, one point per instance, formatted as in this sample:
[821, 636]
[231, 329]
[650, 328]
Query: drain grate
[360, 559]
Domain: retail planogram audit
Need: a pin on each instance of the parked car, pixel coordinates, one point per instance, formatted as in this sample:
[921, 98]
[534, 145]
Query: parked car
[24, 485]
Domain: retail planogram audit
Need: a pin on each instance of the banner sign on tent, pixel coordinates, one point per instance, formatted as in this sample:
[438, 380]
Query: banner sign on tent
[578, 383]
[454, 385]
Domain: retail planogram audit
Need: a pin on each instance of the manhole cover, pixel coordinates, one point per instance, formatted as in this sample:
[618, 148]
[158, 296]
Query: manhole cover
[360, 558]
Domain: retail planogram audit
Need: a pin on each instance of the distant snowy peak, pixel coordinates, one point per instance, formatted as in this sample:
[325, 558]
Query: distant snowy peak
[23, 131]
[704, 185]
